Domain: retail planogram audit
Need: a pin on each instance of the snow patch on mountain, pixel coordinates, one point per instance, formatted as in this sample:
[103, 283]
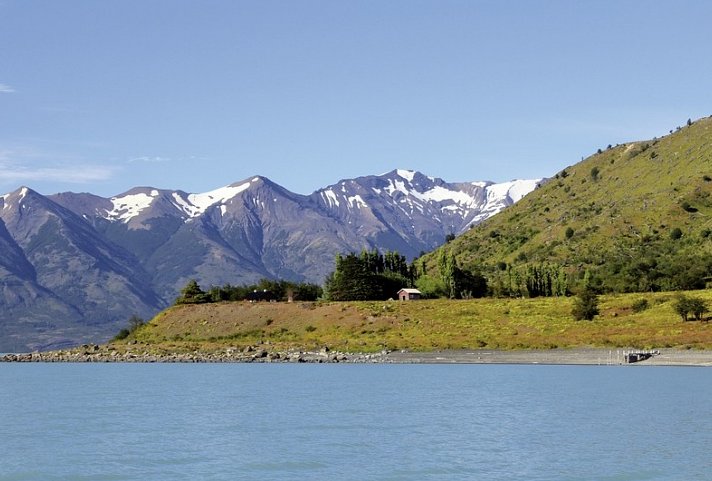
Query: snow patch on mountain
[185, 206]
[218, 196]
[440, 194]
[356, 201]
[406, 174]
[520, 188]
[513, 190]
[129, 206]
[330, 197]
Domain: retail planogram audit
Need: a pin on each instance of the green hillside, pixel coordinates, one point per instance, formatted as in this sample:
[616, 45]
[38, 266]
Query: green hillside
[637, 217]
[426, 325]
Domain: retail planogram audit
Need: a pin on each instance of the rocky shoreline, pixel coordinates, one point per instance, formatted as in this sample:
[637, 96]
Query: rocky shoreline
[141, 353]
[102, 353]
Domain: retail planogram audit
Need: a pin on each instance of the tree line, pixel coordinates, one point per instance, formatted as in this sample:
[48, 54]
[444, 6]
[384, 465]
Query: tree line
[372, 275]
[265, 289]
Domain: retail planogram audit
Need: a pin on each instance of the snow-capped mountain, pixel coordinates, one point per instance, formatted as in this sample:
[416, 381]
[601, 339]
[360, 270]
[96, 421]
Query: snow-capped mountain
[74, 267]
[417, 209]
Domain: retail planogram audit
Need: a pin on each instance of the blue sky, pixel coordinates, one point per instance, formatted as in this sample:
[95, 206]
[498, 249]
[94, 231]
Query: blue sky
[104, 96]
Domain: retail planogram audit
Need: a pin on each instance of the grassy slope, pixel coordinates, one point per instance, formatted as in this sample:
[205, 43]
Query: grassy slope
[639, 193]
[540, 323]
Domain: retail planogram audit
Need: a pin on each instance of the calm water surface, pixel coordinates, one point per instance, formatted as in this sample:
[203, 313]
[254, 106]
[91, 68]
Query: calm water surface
[354, 422]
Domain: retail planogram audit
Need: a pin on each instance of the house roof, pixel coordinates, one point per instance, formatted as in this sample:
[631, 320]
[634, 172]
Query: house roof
[409, 291]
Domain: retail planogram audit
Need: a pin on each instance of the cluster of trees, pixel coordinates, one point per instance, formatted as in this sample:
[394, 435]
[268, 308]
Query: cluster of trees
[453, 281]
[656, 265]
[532, 280]
[267, 289]
[668, 260]
[688, 307]
[375, 276]
[369, 276]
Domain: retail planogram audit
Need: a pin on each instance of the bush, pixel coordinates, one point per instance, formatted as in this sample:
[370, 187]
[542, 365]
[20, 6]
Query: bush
[640, 305]
[686, 306]
[569, 233]
[698, 308]
[134, 323]
[676, 233]
[123, 334]
[682, 307]
[431, 287]
[595, 172]
[687, 207]
[585, 305]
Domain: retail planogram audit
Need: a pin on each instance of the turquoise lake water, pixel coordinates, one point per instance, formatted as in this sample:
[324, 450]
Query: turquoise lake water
[354, 422]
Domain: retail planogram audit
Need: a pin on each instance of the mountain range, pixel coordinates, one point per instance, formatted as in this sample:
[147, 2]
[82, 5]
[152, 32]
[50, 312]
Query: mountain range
[75, 266]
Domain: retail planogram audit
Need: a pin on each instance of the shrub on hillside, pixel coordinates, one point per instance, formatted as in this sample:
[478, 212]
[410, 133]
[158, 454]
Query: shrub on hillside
[640, 305]
[585, 305]
[594, 173]
[134, 323]
[687, 207]
[690, 306]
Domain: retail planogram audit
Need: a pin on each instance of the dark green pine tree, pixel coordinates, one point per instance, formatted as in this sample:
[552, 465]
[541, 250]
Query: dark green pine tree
[192, 294]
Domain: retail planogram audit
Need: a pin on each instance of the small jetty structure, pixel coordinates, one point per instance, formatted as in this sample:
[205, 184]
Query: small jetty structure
[631, 357]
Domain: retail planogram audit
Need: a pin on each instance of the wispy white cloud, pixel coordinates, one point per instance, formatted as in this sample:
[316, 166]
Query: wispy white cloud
[6, 89]
[75, 174]
[20, 165]
[149, 159]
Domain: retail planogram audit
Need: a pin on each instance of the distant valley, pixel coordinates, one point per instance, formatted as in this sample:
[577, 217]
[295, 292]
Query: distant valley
[75, 266]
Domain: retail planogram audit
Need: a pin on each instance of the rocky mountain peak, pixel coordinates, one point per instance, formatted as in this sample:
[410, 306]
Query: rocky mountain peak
[15, 198]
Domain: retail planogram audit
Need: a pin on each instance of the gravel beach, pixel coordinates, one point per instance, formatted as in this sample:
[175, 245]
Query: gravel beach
[577, 356]
[585, 356]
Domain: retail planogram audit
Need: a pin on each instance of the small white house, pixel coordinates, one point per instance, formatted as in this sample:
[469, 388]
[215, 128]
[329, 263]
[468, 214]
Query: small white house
[409, 294]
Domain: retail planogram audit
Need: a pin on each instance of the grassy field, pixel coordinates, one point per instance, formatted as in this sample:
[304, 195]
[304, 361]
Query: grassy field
[541, 323]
